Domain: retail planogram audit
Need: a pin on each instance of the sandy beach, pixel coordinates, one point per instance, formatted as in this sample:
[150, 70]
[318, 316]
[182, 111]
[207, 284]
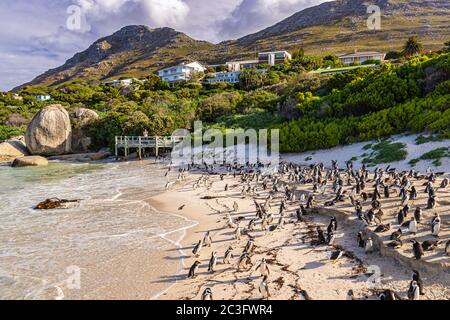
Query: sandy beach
[295, 265]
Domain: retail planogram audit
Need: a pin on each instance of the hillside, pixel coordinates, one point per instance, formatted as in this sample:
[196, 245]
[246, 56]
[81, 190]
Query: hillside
[331, 27]
[334, 27]
[132, 51]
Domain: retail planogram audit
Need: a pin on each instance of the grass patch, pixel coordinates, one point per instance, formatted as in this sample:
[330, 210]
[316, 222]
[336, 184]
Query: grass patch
[435, 155]
[308, 158]
[386, 152]
[368, 146]
[421, 139]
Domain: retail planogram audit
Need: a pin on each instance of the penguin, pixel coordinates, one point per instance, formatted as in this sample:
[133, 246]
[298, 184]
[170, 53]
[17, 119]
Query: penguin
[249, 246]
[400, 217]
[197, 248]
[431, 203]
[388, 295]
[212, 262]
[237, 233]
[333, 225]
[413, 226]
[436, 225]
[417, 249]
[320, 236]
[395, 244]
[193, 269]
[303, 295]
[444, 183]
[263, 268]
[207, 294]
[430, 245]
[228, 255]
[360, 240]
[418, 214]
[235, 206]
[264, 288]
[413, 291]
[350, 295]
[244, 260]
[207, 240]
[382, 228]
[416, 277]
[336, 255]
[396, 234]
[368, 245]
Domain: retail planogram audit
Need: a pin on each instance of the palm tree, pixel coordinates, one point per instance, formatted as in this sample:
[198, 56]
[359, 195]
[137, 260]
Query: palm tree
[412, 47]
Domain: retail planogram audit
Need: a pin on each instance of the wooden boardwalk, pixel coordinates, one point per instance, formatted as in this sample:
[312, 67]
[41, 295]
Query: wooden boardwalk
[141, 144]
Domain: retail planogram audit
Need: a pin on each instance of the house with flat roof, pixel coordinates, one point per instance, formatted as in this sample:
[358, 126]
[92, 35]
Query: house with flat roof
[43, 97]
[227, 77]
[180, 73]
[274, 57]
[241, 65]
[121, 82]
[361, 57]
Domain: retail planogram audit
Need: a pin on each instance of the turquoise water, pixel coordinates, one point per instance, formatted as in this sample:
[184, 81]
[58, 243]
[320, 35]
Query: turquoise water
[112, 219]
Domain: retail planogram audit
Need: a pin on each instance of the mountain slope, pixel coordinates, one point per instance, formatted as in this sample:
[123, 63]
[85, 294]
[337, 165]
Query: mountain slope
[341, 25]
[131, 51]
[329, 28]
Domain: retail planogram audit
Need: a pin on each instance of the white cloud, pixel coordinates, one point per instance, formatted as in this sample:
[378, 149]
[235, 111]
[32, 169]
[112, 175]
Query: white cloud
[34, 36]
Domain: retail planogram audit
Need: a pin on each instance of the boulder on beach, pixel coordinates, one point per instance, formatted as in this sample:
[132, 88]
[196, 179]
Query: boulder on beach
[13, 148]
[81, 118]
[29, 161]
[50, 132]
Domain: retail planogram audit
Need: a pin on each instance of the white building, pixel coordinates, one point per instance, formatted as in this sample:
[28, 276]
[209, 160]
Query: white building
[43, 97]
[228, 77]
[274, 57]
[180, 73]
[122, 82]
[240, 65]
[360, 57]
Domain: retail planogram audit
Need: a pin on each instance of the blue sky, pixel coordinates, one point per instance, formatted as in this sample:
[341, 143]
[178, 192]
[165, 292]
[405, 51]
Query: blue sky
[34, 36]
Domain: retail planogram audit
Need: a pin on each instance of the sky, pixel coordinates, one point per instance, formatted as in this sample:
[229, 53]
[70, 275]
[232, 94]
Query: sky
[37, 35]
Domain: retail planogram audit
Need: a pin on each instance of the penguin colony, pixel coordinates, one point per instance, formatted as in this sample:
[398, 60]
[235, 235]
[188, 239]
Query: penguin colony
[363, 190]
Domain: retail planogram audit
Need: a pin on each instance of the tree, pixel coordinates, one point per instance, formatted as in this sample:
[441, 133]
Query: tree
[412, 47]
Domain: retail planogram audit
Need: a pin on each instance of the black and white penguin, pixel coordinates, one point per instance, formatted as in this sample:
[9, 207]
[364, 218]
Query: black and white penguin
[413, 226]
[238, 233]
[396, 234]
[430, 245]
[235, 206]
[244, 260]
[431, 203]
[207, 239]
[264, 288]
[395, 244]
[360, 240]
[417, 249]
[198, 247]
[333, 225]
[416, 277]
[320, 236]
[212, 262]
[207, 294]
[382, 228]
[368, 245]
[413, 291]
[400, 217]
[251, 225]
[263, 268]
[418, 214]
[336, 255]
[436, 225]
[388, 295]
[228, 255]
[193, 269]
[250, 246]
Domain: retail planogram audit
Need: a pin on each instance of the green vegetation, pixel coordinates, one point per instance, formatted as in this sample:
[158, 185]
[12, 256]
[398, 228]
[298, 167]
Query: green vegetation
[385, 152]
[436, 155]
[421, 139]
[7, 132]
[311, 111]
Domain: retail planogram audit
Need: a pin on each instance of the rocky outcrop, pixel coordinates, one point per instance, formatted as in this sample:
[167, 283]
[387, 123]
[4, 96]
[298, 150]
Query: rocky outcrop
[49, 133]
[29, 161]
[83, 157]
[13, 148]
[15, 120]
[81, 118]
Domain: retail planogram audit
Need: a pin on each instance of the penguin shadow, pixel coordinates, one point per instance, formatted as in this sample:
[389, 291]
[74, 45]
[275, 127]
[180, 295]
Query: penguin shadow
[171, 278]
[171, 258]
[314, 264]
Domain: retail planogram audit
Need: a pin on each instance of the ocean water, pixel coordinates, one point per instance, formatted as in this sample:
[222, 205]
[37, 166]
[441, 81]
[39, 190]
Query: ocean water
[99, 249]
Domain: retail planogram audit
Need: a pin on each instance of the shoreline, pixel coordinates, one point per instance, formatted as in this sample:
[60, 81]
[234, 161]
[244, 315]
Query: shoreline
[294, 269]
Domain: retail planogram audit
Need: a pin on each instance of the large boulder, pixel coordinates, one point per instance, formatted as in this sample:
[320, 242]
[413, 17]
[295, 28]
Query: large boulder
[81, 118]
[13, 148]
[50, 132]
[29, 161]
